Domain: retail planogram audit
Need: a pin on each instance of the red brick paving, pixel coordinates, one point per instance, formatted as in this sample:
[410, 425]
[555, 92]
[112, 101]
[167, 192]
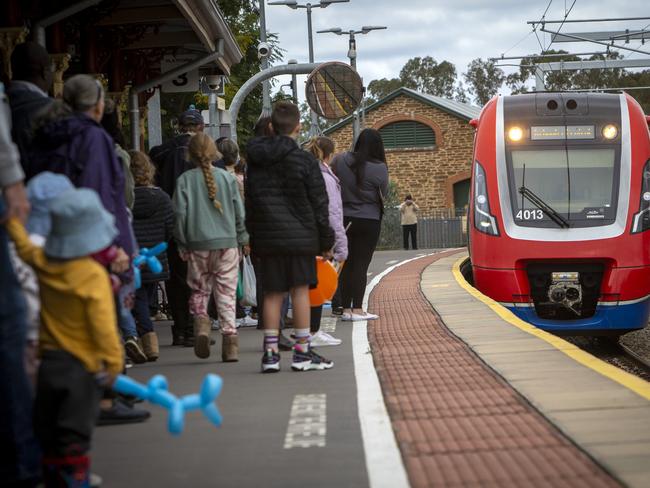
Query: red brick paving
[456, 422]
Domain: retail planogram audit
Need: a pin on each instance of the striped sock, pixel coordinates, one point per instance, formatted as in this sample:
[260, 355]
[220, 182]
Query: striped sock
[302, 340]
[271, 339]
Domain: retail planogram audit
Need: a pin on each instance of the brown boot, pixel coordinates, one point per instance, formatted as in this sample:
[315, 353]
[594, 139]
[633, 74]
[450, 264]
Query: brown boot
[230, 348]
[202, 337]
[150, 346]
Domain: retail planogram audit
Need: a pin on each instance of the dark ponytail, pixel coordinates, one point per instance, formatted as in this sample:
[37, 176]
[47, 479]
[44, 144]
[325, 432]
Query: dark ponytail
[368, 148]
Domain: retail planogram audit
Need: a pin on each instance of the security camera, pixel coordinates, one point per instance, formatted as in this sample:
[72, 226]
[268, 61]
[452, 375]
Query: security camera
[263, 50]
[214, 81]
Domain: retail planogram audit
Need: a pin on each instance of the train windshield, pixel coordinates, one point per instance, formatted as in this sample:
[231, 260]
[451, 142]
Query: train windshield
[579, 184]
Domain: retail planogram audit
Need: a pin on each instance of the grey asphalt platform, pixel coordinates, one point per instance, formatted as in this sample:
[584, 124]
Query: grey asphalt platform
[249, 449]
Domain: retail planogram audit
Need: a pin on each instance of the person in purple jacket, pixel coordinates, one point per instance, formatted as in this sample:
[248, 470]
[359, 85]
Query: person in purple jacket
[69, 139]
[323, 148]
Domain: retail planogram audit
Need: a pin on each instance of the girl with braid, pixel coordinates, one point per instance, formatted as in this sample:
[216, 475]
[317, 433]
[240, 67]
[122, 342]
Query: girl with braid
[210, 232]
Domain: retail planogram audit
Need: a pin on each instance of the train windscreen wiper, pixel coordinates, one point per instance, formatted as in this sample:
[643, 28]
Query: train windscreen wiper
[544, 207]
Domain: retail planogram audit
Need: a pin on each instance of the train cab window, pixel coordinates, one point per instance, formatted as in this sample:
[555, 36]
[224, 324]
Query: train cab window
[580, 184]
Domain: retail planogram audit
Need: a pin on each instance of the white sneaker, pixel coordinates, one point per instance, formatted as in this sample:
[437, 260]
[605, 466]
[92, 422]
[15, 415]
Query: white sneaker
[355, 317]
[322, 339]
[215, 325]
[247, 322]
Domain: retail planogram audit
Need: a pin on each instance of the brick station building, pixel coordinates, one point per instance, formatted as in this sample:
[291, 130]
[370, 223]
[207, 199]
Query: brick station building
[428, 142]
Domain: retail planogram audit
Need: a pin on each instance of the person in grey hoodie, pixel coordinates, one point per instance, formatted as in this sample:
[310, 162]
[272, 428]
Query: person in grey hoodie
[364, 186]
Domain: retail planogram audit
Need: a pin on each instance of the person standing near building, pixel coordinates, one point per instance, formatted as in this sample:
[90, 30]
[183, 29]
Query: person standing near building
[364, 185]
[409, 219]
[171, 161]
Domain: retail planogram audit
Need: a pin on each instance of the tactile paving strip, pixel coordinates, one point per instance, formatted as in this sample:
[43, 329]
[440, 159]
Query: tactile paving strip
[456, 422]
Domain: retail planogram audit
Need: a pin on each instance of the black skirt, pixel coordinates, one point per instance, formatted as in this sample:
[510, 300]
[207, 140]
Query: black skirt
[281, 273]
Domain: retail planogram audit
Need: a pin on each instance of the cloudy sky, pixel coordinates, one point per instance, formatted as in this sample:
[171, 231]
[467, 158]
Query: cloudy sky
[457, 31]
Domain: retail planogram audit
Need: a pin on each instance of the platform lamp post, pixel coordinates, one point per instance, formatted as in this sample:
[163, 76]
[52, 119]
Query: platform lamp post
[352, 54]
[293, 4]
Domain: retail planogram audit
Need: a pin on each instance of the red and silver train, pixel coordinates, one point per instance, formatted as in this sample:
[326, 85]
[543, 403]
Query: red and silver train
[559, 213]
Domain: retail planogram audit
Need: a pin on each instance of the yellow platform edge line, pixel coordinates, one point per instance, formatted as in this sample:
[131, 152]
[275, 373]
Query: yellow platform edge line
[629, 381]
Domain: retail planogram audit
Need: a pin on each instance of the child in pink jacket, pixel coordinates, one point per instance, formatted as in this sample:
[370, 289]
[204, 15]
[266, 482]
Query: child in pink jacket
[323, 149]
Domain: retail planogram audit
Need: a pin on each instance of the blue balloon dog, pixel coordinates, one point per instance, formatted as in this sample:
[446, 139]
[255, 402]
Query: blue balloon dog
[157, 392]
[148, 256]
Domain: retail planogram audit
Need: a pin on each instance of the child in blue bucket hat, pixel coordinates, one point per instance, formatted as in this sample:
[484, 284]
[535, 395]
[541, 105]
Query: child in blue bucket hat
[41, 190]
[78, 338]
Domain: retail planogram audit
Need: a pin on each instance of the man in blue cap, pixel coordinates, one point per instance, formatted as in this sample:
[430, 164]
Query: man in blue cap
[171, 161]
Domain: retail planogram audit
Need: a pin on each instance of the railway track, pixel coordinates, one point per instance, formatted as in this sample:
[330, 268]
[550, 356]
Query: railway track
[614, 352]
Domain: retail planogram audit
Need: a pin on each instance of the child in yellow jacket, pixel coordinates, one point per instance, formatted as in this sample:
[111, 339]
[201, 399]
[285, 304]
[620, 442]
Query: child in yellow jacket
[78, 338]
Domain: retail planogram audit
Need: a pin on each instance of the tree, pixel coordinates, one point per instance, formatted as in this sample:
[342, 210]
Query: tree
[243, 19]
[378, 89]
[555, 80]
[428, 76]
[484, 79]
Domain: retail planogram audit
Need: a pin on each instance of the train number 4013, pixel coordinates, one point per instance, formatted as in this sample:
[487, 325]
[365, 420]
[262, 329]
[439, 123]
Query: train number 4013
[530, 215]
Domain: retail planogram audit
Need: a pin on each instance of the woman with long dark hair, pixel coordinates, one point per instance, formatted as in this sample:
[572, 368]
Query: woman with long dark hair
[364, 184]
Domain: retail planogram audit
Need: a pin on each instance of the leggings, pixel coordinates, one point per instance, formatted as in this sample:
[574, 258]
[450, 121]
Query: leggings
[412, 231]
[363, 235]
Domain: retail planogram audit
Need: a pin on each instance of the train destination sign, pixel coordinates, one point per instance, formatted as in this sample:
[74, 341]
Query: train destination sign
[561, 132]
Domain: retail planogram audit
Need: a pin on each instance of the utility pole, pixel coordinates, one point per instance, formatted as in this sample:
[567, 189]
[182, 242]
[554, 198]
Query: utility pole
[293, 4]
[357, 121]
[266, 87]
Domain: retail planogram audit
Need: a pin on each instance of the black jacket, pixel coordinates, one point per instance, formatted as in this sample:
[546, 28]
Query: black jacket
[286, 200]
[171, 161]
[153, 223]
[26, 106]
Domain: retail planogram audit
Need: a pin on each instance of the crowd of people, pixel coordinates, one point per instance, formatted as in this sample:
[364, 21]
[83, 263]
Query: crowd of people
[75, 209]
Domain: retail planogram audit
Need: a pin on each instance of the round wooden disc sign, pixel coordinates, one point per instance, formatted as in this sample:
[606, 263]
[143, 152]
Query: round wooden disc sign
[334, 90]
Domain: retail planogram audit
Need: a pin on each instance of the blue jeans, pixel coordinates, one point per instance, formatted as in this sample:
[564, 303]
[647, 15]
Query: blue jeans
[141, 309]
[20, 459]
[125, 319]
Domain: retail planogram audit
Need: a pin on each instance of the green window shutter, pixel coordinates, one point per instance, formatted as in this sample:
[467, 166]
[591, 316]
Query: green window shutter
[407, 134]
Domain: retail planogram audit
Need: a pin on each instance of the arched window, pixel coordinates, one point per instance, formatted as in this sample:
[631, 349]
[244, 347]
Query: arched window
[407, 134]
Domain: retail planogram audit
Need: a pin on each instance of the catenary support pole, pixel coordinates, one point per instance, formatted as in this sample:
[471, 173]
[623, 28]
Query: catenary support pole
[254, 81]
[266, 87]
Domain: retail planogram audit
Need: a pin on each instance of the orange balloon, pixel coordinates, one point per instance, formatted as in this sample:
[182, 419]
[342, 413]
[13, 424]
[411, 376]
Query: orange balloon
[327, 283]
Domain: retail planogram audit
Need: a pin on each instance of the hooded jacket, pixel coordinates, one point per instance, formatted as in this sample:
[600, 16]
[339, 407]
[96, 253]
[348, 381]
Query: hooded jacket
[286, 201]
[171, 161]
[78, 147]
[153, 223]
[26, 105]
[336, 212]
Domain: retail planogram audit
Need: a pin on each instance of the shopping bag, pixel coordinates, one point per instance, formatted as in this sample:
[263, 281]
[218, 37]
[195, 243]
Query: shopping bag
[240, 287]
[249, 284]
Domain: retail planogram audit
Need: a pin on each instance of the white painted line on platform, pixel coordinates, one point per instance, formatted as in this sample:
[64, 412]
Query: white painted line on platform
[392, 261]
[383, 458]
[369, 273]
[308, 422]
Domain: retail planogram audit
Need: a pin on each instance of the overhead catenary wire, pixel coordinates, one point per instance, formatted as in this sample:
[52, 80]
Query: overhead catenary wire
[566, 14]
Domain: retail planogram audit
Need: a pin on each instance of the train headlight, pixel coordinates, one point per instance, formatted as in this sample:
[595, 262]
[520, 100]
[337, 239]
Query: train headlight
[610, 132]
[484, 221]
[515, 134]
[641, 220]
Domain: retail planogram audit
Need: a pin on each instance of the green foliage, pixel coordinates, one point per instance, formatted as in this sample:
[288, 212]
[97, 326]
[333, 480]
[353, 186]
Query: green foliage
[378, 89]
[428, 76]
[484, 79]
[391, 228]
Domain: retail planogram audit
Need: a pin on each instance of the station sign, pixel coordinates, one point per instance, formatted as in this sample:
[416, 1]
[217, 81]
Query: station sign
[185, 82]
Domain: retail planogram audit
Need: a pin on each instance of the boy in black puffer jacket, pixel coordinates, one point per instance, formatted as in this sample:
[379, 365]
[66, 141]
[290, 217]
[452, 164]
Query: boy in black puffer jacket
[153, 223]
[287, 218]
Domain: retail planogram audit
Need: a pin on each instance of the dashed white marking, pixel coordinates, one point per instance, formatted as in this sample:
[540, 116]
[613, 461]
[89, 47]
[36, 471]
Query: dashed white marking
[392, 261]
[328, 324]
[308, 422]
[383, 458]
